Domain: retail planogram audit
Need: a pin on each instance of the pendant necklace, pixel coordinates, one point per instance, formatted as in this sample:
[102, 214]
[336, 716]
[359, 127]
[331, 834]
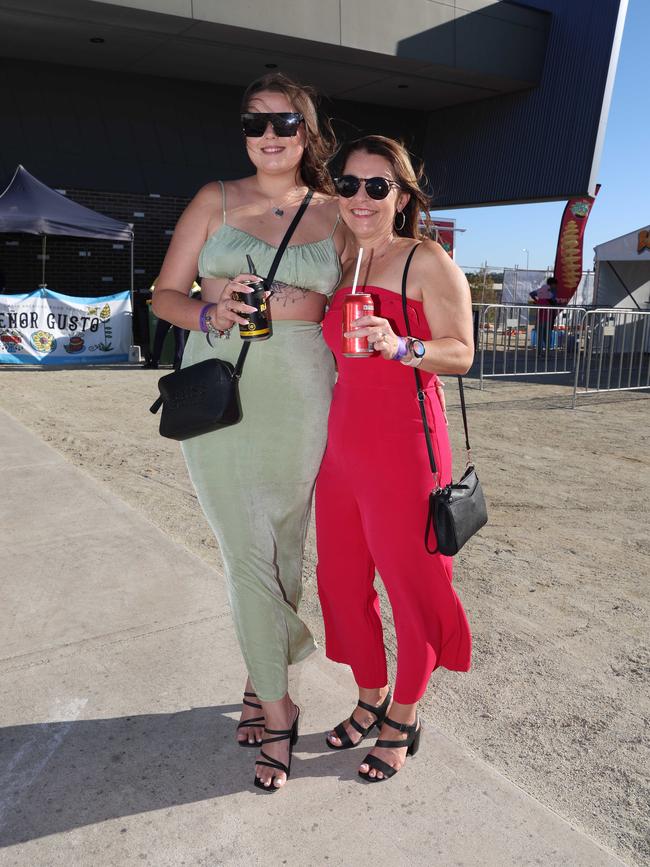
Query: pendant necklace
[276, 210]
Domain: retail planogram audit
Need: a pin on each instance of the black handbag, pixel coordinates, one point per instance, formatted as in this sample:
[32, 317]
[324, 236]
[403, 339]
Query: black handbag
[456, 511]
[204, 397]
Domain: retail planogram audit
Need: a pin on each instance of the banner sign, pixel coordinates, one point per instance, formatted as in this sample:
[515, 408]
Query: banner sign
[445, 233]
[518, 283]
[440, 230]
[44, 327]
[568, 258]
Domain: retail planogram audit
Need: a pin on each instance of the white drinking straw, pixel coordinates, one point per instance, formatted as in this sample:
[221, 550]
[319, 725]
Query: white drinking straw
[356, 273]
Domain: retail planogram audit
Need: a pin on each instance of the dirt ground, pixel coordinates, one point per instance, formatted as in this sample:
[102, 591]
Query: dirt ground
[555, 587]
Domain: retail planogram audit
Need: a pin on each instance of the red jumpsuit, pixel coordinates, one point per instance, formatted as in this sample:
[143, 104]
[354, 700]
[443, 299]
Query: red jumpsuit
[371, 507]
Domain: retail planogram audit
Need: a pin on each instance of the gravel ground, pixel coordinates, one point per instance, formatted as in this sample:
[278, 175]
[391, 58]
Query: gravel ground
[555, 587]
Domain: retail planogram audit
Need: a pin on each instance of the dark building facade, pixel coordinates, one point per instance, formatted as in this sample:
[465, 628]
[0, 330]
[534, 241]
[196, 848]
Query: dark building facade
[131, 106]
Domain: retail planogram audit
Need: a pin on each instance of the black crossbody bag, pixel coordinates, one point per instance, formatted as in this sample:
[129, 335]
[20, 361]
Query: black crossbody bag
[456, 511]
[204, 397]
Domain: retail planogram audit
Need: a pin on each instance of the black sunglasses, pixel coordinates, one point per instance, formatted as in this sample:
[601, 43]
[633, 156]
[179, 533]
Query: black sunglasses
[377, 188]
[284, 123]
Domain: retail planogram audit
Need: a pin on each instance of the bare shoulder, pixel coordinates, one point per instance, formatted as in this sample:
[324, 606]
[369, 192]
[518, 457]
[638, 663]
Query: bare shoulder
[326, 206]
[435, 256]
[206, 200]
[346, 244]
[436, 269]
[324, 200]
[211, 194]
[195, 220]
[207, 205]
[325, 209]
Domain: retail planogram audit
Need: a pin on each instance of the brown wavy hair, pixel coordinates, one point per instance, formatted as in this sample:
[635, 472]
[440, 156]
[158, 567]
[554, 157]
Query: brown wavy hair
[320, 143]
[410, 179]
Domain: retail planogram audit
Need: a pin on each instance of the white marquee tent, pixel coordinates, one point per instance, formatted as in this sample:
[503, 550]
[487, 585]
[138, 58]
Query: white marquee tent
[623, 271]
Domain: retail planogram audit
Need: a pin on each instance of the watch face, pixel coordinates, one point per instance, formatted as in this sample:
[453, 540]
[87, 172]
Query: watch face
[418, 349]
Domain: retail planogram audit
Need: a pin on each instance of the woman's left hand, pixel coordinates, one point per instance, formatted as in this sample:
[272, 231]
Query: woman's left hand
[381, 336]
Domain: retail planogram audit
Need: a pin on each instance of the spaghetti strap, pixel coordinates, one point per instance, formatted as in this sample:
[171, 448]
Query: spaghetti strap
[223, 202]
[338, 220]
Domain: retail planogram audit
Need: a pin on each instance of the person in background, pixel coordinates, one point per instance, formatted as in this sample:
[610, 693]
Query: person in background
[162, 330]
[545, 296]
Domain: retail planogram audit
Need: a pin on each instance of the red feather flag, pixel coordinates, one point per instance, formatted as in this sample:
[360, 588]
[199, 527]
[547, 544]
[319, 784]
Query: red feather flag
[568, 258]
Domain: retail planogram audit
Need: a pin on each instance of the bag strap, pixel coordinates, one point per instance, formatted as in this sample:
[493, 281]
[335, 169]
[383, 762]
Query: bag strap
[420, 390]
[268, 281]
[287, 237]
[468, 448]
[418, 379]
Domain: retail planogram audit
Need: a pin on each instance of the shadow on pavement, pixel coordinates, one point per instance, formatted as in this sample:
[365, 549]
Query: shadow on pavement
[62, 775]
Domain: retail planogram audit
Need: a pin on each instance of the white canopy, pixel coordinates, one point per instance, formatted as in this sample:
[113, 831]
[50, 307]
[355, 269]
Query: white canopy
[628, 248]
[623, 271]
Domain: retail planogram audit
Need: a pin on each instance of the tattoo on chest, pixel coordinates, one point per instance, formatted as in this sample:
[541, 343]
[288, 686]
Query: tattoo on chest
[283, 294]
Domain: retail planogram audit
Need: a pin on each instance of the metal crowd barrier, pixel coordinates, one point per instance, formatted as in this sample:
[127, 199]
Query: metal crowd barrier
[526, 340]
[614, 352]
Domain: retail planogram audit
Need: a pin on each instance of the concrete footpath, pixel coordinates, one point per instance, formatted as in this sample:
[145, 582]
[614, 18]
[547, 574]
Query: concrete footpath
[120, 682]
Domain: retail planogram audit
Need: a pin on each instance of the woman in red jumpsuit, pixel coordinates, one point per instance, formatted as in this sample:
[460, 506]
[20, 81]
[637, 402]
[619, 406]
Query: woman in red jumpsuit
[373, 487]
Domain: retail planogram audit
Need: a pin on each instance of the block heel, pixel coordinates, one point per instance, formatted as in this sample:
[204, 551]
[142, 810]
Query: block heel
[414, 746]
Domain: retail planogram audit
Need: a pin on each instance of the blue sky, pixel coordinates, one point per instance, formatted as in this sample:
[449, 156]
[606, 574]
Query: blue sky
[500, 234]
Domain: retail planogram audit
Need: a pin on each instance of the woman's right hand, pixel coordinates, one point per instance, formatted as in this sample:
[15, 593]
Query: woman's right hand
[227, 310]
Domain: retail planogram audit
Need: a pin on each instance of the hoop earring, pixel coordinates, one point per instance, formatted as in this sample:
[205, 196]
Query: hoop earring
[400, 214]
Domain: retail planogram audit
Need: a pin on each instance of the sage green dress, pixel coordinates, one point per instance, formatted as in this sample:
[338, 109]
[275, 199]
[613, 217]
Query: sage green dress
[255, 480]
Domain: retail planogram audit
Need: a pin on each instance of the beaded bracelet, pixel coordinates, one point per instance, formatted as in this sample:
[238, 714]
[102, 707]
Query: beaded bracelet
[208, 327]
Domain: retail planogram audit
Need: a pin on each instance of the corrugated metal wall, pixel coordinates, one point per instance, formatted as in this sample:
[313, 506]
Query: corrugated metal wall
[108, 131]
[96, 130]
[533, 145]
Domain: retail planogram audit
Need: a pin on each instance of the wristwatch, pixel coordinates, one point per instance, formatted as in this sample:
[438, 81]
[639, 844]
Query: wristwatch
[416, 350]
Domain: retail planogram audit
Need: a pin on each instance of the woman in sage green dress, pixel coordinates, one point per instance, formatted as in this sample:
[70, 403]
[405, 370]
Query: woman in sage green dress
[255, 480]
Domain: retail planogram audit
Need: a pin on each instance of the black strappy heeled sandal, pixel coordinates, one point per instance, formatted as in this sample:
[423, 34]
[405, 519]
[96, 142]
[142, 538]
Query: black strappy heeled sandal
[250, 723]
[412, 744]
[282, 735]
[341, 733]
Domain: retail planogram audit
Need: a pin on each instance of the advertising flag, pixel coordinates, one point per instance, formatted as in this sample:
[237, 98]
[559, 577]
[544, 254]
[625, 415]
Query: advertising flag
[568, 258]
